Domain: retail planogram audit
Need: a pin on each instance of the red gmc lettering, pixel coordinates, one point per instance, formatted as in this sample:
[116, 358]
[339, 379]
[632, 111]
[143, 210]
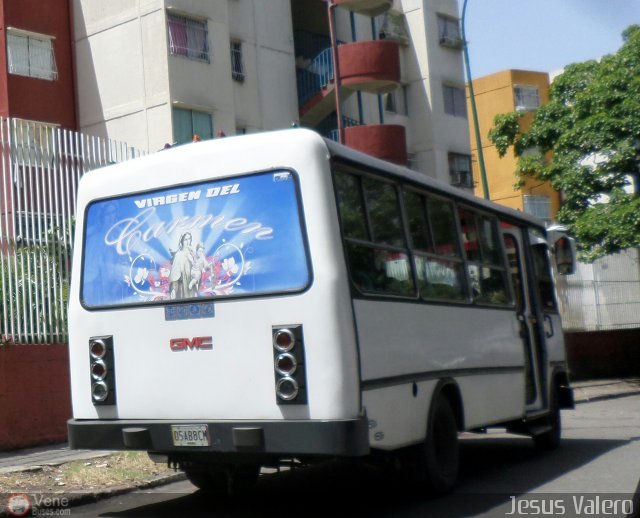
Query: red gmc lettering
[198, 342]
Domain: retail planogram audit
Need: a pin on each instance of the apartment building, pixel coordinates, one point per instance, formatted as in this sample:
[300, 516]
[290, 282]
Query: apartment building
[37, 79]
[504, 92]
[152, 72]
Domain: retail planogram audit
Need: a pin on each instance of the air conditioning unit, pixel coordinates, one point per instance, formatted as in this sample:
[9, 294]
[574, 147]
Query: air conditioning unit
[461, 179]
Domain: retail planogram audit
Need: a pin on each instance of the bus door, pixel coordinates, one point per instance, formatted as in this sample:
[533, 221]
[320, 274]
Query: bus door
[527, 316]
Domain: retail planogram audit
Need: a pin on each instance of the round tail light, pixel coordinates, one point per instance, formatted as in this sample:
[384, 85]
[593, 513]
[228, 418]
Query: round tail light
[283, 340]
[98, 349]
[99, 391]
[98, 370]
[285, 364]
[287, 388]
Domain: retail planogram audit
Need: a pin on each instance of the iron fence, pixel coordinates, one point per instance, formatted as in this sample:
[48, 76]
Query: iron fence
[41, 166]
[597, 305]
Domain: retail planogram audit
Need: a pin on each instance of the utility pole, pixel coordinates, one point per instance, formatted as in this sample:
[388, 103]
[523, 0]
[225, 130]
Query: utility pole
[474, 111]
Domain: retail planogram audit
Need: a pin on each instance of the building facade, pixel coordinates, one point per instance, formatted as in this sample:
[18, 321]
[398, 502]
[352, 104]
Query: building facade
[505, 92]
[153, 72]
[36, 60]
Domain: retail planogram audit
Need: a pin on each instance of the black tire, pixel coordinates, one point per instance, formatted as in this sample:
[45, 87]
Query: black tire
[550, 439]
[209, 480]
[242, 479]
[433, 465]
[232, 481]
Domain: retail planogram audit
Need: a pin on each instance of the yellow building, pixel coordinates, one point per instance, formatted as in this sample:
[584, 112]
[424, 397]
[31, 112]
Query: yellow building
[503, 92]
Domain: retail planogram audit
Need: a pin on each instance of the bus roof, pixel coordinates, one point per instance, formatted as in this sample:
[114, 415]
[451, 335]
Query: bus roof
[348, 155]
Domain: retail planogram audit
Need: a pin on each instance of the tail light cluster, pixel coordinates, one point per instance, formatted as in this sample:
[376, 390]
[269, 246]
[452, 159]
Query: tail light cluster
[288, 365]
[102, 370]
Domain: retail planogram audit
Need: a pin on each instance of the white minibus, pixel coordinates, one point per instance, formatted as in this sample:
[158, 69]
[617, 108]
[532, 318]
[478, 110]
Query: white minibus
[273, 298]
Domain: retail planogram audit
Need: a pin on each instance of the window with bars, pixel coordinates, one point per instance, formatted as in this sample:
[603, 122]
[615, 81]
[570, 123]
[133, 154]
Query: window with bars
[449, 32]
[188, 37]
[31, 56]
[237, 63]
[189, 123]
[526, 98]
[455, 101]
[539, 206]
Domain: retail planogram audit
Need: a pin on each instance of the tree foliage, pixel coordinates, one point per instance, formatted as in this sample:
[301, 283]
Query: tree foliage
[590, 133]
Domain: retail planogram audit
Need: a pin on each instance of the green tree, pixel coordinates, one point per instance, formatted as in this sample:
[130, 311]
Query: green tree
[589, 134]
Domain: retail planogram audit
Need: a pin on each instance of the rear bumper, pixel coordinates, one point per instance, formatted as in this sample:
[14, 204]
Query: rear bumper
[334, 438]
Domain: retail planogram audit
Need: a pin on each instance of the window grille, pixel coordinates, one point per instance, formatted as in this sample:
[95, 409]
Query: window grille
[539, 206]
[31, 56]
[449, 32]
[188, 38]
[237, 64]
[526, 97]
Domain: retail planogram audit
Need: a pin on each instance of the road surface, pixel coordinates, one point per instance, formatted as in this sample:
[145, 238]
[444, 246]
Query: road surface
[595, 472]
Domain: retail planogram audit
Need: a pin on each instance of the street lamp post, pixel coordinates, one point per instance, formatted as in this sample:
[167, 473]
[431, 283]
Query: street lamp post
[474, 111]
[336, 71]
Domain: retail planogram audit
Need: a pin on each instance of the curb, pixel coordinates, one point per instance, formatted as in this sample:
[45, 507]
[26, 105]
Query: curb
[604, 397]
[89, 497]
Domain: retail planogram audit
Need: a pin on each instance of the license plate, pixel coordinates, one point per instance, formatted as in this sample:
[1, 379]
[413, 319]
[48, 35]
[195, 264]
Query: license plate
[190, 435]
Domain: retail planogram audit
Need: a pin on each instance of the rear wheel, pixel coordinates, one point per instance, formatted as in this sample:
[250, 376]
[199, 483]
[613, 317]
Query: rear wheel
[550, 439]
[433, 465]
[232, 481]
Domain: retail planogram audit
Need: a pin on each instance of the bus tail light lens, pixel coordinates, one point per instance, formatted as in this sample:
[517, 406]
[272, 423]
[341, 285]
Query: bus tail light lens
[287, 388]
[102, 370]
[289, 365]
[285, 364]
[284, 340]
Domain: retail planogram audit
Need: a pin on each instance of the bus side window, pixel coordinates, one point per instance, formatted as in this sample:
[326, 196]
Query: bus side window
[373, 234]
[351, 206]
[485, 262]
[543, 278]
[433, 237]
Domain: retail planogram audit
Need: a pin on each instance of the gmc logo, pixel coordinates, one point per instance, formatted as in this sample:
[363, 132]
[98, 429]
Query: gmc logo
[183, 344]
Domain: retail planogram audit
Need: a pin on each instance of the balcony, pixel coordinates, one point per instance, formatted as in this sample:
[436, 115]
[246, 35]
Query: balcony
[370, 66]
[385, 141]
[366, 7]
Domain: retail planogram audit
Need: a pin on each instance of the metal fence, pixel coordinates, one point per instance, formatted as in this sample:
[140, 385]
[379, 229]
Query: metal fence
[602, 296]
[40, 167]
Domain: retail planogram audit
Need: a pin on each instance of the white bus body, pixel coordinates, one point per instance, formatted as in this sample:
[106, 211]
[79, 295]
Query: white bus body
[172, 335]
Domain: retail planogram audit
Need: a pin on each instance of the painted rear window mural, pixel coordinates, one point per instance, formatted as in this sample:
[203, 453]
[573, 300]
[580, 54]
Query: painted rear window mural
[239, 236]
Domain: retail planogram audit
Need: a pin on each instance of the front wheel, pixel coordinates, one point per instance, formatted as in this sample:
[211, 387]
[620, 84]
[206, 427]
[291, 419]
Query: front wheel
[433, 465]
[550, 439]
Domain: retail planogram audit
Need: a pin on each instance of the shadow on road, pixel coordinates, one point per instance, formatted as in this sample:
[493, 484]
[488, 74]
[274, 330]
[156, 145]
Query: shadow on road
[492, 470]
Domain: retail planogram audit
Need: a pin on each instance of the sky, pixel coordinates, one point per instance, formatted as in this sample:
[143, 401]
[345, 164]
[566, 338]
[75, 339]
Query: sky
[543, 35]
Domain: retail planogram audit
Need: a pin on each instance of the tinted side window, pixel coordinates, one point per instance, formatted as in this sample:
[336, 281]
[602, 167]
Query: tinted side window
[443, 223]
[438, 266]
[374, 236]
[544, 281]
[351, 206]
[485, 259]
[417, 221]
[383, 212]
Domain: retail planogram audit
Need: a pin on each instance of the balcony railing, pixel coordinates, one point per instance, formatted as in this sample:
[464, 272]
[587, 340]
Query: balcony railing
[332, 133]
[315, 77]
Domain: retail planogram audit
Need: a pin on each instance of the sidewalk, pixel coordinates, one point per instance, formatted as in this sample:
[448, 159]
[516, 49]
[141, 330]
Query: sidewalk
[54, 455]
[596, 390]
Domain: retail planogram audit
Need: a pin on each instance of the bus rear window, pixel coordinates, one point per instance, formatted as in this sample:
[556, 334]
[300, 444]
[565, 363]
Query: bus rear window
[234, 237]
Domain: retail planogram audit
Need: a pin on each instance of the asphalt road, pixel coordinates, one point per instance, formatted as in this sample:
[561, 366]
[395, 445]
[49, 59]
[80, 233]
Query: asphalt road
[596, 472]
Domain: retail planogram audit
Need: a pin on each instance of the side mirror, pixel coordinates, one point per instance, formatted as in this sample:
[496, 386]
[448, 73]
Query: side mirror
[565, 256]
